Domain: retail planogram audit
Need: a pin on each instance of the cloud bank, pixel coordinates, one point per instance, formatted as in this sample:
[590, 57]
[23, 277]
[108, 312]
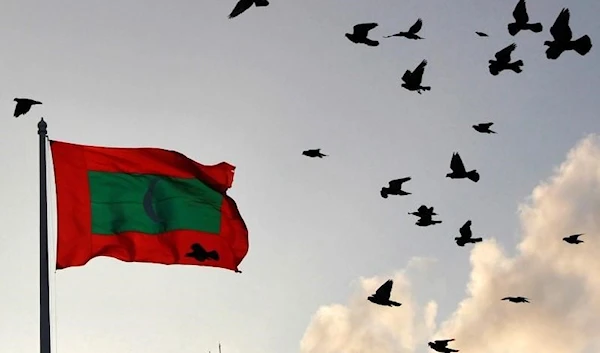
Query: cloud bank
[562, 281]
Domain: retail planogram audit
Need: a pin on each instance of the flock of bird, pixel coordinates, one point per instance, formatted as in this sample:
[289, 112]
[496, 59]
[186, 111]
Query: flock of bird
[412, 81]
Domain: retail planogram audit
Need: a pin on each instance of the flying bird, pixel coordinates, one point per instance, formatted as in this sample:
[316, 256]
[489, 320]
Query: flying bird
[424, 211]
[314, 153]
[244, 5]
[502, 61]
[382, 295]
[426, 220]
[573, 239]
[360, 33]
[563, 38]
[459, 171]
[481, 34]
[442, 346]
[411, 33]
[484, 128]
[522, 21]
[517, 299]
[412, 80]
[466, 236]
[23, 106]
[395, 188]
[200, 254]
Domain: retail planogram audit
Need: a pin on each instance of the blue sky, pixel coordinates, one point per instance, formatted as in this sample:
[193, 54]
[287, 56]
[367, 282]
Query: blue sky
[255, 91]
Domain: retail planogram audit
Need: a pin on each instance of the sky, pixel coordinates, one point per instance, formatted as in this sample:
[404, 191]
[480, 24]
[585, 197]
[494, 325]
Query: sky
[256, 91]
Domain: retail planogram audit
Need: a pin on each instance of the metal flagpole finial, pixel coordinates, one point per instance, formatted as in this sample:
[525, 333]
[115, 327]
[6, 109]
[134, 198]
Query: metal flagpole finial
[42, 127]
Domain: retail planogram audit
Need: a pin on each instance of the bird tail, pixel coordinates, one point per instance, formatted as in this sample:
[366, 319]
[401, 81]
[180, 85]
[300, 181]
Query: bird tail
[582, 45]
[535, 27]
[213, 255]
[393, 303]
[513, 29]
[473, 175]
[426, 88]
[436, 222]
[492, 132]
[321, 155]
[476, 240]
[516, 66]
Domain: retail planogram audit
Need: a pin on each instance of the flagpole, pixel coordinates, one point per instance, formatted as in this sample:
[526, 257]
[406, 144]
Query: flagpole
[44, 273]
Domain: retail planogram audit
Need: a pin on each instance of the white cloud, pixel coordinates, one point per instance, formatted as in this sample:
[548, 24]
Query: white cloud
[561, 280]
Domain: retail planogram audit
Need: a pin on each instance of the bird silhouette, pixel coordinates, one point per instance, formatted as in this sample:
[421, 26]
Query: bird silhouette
[244, 5]
[573, 239]
[517, 299]
[394, 188]
[382, 295]
[481, 34]
[442, 346]
[200, 254]
[314, 153]
[412, 80]
[563, 38]
[426, 220]
[424, 211]
[484, 128]
[466, 236]
[360, 33]
[522, 21]
[502, 61]
[23, 106]
[411, 33]
[459, 171]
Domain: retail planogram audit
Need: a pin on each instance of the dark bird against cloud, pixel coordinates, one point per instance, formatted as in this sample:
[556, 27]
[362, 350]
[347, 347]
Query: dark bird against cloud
[502, 61]
[200, 254]
[244, 5]
[466, 236]
[411, 33]
[522, 21]
[573, 239]
[382, 295]
[481, 34]
[412, 80]
[394, 188]
[360, 33]
[23, 106]
[459, 171]
[517, 299]
[442, 346]
[563, 38]
[484, 128]
[314, 153]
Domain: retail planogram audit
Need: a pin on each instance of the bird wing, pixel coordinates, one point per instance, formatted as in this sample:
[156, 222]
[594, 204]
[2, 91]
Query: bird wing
[507, 298]
[418, 73]
[414, 29]
[456, 164]
[363, 29]
[486, 125]
[407, 76]
[465, 230]
[260, 3]
[19, 109]
[385, 290]
[443, 343]
[560, 30]
[481, 34]
[504, 54]
[397, 183]
[240, 7]
[520, 12]
[574, 236]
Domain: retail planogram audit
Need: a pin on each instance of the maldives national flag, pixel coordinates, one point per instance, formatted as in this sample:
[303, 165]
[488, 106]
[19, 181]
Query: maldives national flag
[144, 205]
